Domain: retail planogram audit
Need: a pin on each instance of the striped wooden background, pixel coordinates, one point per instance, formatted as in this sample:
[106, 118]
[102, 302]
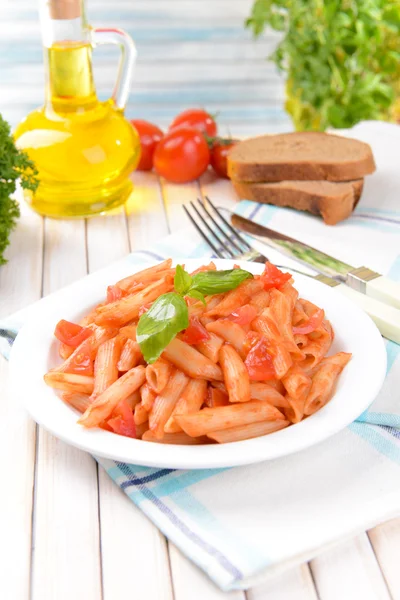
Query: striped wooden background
[191, 53]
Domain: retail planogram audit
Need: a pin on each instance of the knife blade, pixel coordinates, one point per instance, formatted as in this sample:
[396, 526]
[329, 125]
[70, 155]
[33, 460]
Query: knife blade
[361, 279]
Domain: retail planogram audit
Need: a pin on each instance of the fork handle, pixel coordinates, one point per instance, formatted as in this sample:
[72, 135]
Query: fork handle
[385, 317]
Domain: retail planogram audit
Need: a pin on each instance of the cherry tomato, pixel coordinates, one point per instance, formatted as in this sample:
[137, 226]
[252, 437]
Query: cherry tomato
[216, 397]
[195, 333]
[114, 293]
[122, 421]
[149, 135]
[196, 118]
[259, 362]
[71, 334]
[243, 315]
[273, 277]
[218, 156]
[312, 324]
[182, 155]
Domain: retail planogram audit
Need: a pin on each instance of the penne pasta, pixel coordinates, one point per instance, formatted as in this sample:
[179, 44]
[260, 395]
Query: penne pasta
[297, 382]
[191, 361]
[130, 356]
[190, 401]
[104, 404]
[145, 276]
[140, 414]
[211, 347]
[70, 382]
[236, 376]
[164, 403]
[105, 366]
[246, 432]
[324, 380]
[158, 374]
[230, 332]
[262, 367]
[223, 417]
[237, 297]
[148, 396]
[295, 411]
[78, 401]
[180, 438]
[265, 393]
[125, 310]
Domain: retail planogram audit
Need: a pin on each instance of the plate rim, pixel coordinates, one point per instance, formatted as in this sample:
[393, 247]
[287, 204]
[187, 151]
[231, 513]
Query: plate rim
[98, 442]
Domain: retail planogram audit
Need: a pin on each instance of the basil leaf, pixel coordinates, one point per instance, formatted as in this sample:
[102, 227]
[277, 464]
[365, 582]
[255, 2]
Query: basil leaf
[218, 282]
[198, 295]
[167, 316]
[182, 280]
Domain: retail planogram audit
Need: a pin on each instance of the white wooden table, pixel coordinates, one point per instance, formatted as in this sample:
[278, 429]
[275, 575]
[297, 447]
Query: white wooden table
[66, 531]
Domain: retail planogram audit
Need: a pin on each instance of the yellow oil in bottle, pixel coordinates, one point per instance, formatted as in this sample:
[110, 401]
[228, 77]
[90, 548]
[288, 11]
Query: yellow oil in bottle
[84, 149]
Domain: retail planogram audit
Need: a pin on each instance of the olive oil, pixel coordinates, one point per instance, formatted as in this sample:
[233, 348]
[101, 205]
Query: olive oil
[84, 149]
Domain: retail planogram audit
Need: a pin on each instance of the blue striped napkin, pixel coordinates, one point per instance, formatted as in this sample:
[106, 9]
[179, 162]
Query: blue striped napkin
[243, 524]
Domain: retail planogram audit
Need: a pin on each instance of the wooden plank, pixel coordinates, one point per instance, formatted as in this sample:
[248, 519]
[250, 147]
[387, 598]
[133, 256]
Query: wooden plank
[66, 560]
[20, 282]
[21, 277]
[294, 584]
[191, 582]
[107, 239]
[145, 211]
[349, 571]
[135, 557]
[385, 540]
[174, 196]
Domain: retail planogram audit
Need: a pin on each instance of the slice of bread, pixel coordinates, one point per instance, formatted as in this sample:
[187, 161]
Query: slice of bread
[333, 201]
[304, 156]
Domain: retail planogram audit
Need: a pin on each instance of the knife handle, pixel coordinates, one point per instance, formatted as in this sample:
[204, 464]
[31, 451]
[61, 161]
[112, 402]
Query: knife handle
[375, 285]
[385, 317]
[384, 289]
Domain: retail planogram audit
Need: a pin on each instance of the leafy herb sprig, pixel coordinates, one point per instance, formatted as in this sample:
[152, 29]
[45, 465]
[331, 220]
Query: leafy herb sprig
[341, 58]
[169, 314]
[14, 164]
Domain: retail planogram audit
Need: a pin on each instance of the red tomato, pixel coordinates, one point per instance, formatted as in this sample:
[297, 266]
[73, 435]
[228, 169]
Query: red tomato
[195, 333]
[71, 334]
[259, 362]
[182, 155]
[216, 397]
[196, 118]
[82, 363]
[144, 308]
[273, 277]
[312, 324]
[243, 315]
[149, 135]
[122, 421]
[218, 156]
[114, 293]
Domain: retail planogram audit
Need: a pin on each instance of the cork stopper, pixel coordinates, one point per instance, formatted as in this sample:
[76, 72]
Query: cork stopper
[65, 9]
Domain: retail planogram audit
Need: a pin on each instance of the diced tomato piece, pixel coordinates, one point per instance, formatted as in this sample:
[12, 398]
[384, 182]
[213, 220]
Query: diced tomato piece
[82, 363]
[243, 315]
[71, 334]
[216, 397]
[259, 361]
[122, 421]
[195, 333]
[144, 308]
[114, 293]
[312, 324]
[273, 277]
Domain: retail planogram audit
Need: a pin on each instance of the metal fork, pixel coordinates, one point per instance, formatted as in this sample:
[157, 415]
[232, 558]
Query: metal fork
[222, 238]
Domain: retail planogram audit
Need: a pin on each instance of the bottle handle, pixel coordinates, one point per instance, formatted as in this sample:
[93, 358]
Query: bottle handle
[120, 38]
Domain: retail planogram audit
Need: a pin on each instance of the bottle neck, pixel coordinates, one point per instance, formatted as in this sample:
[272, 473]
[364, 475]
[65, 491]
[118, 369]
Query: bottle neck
[68, 57]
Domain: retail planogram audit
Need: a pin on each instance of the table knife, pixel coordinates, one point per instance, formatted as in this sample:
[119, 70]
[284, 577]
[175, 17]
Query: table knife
[361, 279]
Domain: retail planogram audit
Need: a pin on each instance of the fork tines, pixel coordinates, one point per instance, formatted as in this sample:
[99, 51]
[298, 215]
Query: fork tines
[224, 240]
